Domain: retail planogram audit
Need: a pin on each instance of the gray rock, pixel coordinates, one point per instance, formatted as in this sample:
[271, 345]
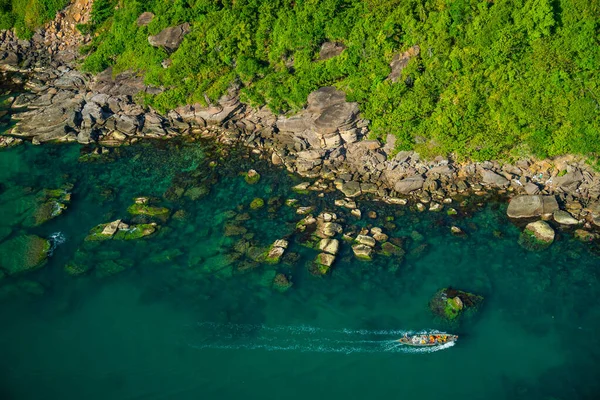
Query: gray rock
[145, 18]
[350, 189]
[323, 98]
[330, 50]
[293, 124]
[493, 179]
[528, 206]
[531, 188]
[170, 38]
[333, 117]
[70, 80]
[564, 218]
[409, 184]
[570, 181]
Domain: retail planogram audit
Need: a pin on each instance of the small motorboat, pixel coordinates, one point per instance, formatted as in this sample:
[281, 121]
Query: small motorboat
[427, 339]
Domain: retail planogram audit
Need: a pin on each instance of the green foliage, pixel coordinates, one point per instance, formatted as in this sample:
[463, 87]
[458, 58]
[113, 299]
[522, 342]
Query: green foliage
[497, 79]
[27, 15]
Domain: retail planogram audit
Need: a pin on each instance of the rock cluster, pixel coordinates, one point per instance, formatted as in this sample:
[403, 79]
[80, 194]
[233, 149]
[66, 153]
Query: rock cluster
[324, 140]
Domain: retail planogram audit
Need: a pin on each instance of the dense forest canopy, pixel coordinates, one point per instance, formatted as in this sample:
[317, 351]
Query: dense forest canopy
[494, 79]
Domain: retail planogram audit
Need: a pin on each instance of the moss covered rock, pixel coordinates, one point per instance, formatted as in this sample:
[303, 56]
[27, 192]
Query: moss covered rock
[76, 269]
[23, 253]
[281, 283]
[252, 177]
[449, 303]
[151, 211]
[135, 232]
[537, 236]
[257, 203]
[119, 230]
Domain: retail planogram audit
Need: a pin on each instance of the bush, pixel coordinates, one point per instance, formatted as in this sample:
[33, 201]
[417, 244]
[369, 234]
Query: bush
[493, 80]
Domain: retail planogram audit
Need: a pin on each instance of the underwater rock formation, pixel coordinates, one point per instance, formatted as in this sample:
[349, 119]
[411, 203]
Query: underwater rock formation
[23, 253]
[449, 303]
[537, 236]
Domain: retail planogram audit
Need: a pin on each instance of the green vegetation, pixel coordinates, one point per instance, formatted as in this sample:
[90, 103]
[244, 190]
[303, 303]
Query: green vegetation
[495, 79]
[27, 15]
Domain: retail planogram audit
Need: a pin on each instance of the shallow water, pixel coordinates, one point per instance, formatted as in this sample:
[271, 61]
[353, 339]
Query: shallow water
[184, 320]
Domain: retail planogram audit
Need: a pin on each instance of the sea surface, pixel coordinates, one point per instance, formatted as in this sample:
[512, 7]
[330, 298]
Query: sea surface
[183, 314]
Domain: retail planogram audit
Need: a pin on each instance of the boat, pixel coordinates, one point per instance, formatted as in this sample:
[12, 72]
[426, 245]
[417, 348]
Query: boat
[427, 339]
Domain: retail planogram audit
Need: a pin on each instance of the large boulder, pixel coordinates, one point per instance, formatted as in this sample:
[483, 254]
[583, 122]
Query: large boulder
[537, 236]
[528, 206]
[324, 97]
[449, 303]
[23, 253]
[409, 184]
[170, 38]
[335, 116]
[493, 179]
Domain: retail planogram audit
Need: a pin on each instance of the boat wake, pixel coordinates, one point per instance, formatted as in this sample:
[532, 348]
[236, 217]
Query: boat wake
[302, 338]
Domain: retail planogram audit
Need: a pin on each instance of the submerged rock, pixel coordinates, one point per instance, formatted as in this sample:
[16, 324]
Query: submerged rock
[142, 208]
[390, 249]
[51, 204]
[322, 264]
[23, 253]
[251, 177]
[537, 236]
[585, 236]
[449, 303]
[257, 203]
[281, 283]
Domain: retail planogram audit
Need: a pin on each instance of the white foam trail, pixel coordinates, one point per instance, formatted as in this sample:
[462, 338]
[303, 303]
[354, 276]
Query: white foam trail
[303, 338]
[300, 329]
[56, 239]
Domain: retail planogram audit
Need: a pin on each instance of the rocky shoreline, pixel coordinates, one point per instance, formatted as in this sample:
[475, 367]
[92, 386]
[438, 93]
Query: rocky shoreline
[327, 142]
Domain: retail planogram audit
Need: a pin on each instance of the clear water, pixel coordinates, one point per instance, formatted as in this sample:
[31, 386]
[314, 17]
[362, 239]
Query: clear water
[185, 321]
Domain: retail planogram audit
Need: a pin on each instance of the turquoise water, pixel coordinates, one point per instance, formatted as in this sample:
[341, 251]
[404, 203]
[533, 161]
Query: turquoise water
[185, 319]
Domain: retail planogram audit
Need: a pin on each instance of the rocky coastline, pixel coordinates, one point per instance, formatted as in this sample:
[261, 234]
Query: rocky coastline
[327, 142]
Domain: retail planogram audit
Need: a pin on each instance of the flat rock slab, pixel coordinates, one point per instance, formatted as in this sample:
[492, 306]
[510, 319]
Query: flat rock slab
[564, 218]
[409, 184]
[351, 189]
[528, 206]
